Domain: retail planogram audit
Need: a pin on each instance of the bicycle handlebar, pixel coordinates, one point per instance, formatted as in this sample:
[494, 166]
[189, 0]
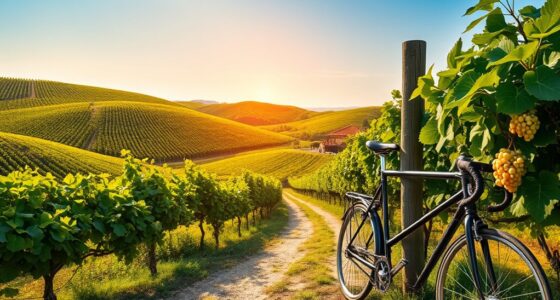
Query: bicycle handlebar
[473, 169]
[465, 165]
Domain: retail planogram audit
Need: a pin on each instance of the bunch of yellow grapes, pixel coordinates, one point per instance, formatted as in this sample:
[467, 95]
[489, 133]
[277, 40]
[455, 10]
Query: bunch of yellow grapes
[525, 125]
[509, 168]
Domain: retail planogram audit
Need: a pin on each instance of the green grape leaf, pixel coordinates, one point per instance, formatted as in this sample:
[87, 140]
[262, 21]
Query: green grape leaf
[481, 39]
[495, 21]
[530, 11]
[486, 5]
[540, 194]
[17, 243]
[99, 226]
[548, 23]
[119, 229]
[513, 100]
[474, 23]
[543, 83]
[520, 53]
[453, 54]
[35, 232]
[552, 59]
[429, 133]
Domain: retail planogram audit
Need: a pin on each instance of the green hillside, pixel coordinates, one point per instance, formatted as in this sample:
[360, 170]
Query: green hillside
[22, 93]
[17, 151]
[281, 163]
[320, 124]
[191, 104]
[162, 132]
[257, 113]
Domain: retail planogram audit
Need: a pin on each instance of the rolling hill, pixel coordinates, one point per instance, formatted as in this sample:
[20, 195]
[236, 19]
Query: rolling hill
[22, 93]
[315, 127]
[17, 151]
[162, 132]
[280, 163]
[256, 113]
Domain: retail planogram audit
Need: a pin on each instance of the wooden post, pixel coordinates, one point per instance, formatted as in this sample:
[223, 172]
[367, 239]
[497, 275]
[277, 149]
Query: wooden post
[414, 66]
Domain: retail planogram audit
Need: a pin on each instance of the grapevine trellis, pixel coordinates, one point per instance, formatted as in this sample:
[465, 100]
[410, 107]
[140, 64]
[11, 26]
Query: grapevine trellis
[48, 224]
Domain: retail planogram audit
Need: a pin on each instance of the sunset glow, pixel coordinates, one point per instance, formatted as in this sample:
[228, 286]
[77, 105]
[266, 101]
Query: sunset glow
[307, 53]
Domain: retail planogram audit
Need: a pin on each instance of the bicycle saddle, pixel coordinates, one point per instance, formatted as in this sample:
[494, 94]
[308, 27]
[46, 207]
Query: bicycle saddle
[381, 148]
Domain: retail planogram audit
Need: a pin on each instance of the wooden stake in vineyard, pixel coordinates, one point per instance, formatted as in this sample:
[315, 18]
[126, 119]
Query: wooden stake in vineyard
[414, 66]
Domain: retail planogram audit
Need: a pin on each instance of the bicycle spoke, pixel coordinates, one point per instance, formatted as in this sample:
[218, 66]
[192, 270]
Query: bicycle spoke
[457, 282]
[509, 272]
[517, 283]
[353, 275]
[454, 292]
[522, 295]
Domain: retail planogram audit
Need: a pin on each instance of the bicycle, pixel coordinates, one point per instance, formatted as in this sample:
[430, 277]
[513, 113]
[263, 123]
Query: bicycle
[482, 263]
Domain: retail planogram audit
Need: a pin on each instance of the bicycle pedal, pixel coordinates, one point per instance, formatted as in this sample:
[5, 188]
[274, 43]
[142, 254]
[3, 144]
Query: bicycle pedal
[399, 267]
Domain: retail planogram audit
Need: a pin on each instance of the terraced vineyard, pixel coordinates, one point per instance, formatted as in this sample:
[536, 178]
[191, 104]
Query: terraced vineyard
[256, 113]
[17, 93]
[17, 151]
[281, 163]
[162, 132]
[320, 124]
[14, 88]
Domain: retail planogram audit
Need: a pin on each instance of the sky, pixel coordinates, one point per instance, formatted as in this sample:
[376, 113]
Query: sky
[314, 53]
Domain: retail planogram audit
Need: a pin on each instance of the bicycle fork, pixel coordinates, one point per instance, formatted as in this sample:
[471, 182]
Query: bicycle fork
[473, 225]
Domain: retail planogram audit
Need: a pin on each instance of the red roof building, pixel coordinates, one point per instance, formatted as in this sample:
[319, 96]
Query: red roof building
[335, 141]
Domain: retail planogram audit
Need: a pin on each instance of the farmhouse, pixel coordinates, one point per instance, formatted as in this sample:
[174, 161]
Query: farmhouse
[335, 141]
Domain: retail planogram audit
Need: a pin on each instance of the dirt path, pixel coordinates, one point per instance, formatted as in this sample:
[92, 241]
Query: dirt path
[248, 280]
[334, 223]
[32, 94]
[93, 135]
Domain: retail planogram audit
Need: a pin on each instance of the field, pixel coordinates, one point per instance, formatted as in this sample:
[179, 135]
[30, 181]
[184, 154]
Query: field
[320, 124]
[17, 151]
[162, 132]
[280, 163]
[256, 113]
[21, 93]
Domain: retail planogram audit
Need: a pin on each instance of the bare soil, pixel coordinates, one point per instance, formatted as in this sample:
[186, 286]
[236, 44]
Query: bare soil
[334, 223]
[248, 280]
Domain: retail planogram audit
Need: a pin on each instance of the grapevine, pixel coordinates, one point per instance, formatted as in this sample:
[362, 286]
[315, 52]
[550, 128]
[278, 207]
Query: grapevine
[48, 223]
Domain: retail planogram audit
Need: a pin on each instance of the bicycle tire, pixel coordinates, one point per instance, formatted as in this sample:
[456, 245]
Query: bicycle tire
[343, 263]
[463, 269]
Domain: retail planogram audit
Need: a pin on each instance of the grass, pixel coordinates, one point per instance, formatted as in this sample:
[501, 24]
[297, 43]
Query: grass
[162, 132]
[311, 276]
[181, 263]
[256, 113]
[522, 234]
[18, 151]
[280, 163]
[17, 93]
[322, 123]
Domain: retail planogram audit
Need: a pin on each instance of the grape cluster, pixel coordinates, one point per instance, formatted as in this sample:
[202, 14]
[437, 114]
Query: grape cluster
[509, 168]
[525, 125]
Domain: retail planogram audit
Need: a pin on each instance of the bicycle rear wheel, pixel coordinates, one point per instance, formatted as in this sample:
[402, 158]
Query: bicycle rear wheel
[353, 276]
[508, 271]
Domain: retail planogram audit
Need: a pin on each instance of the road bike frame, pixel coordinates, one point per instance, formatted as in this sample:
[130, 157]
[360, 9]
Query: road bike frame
[384, 242]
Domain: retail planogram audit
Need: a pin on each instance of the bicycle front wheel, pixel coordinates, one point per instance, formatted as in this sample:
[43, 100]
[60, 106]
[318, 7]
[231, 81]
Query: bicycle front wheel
[506, 268]
[354, 277]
